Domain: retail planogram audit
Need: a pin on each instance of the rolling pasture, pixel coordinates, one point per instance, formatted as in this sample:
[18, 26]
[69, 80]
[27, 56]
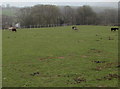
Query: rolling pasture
[60, 57]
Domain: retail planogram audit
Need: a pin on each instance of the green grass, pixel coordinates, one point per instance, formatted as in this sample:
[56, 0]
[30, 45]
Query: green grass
[0, 58]
[8, 12]
[63, 57]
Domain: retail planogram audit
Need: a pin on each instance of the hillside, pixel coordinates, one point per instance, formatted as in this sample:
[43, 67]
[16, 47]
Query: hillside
[10, 11]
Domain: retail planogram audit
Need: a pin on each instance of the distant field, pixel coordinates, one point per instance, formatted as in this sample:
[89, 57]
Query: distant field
[60, 57]
[9, 12]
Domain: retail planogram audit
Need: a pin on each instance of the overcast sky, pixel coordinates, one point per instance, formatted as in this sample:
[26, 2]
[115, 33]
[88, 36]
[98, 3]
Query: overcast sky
[22, 3]
[59, 0]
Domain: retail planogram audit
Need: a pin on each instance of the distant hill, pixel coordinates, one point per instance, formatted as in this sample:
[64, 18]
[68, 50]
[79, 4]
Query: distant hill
[96, 9]
[100, 9]
[11, 11]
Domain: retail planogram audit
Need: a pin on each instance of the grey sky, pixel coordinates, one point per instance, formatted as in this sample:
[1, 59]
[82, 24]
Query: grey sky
[22, 4]
[59, 0]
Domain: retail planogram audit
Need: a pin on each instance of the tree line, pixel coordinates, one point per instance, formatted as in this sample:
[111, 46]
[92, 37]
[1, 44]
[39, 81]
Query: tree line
[52, 14]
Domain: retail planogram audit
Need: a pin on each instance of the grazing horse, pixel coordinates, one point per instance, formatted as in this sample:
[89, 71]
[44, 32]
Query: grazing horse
[13, 29]
[114, 29]
[10, 28]
[74, 28]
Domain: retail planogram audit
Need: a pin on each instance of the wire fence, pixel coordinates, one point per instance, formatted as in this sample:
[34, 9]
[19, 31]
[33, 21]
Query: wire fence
[56, 25]
[53, 25]
[44, 25]
[38, 26]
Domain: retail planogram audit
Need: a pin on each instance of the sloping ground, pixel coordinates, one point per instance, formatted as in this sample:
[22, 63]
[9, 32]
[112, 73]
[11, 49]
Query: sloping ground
[0, 58]
[9, 11]
[61, 57]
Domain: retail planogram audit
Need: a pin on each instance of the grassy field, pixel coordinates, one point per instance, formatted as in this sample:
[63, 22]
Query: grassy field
[9, 12]
[60, 57]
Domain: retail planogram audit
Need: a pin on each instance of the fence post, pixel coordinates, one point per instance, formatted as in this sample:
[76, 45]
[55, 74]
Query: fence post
[30, 26]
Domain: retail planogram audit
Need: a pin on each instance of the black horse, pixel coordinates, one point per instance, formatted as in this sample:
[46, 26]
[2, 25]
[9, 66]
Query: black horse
[114, 29]
[14, 30]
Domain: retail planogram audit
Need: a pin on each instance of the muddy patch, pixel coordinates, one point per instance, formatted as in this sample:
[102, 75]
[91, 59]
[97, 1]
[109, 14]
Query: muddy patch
[118, 66]
[35, 74]
[76, 80]
[79, 79]
[53, 76]
[111, 65]
[93, 50]
[97, 40]
[97, 68]
[105, 65]
[109, 77]
[84, 56]
[110, 38]
[51, 58]
[99, 61]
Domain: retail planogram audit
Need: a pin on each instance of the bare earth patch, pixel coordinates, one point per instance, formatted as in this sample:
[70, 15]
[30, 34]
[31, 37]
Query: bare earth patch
[106, 65]
[52, 58]
[109, 77]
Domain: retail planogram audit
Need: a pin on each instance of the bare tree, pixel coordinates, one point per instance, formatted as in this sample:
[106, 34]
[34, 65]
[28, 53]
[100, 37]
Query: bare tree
[24, 16]
[45, 14]
[6, 21]
[85, 15]
[51, 14]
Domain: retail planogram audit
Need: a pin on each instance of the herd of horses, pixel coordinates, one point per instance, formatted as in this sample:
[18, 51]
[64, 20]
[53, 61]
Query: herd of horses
[73, 27]
[112, 29]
